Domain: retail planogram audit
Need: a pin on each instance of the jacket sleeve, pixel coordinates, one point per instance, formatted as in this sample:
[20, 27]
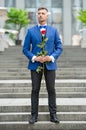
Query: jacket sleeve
[27, 46]
[58, 45]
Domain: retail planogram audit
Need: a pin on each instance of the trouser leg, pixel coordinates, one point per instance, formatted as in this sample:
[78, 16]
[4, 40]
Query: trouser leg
[50, 84]
[36, 82]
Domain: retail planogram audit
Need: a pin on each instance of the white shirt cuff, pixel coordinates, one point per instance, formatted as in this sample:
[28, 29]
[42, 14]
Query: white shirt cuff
[53, 59]
[33, 59]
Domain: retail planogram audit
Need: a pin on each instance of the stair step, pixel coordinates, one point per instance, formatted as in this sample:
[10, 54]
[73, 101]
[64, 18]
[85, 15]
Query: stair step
[25, 89]
[44, 101]
[57, 73]
[42, 108]
[44, 95]
[24, 69]
[63, 104]
[22, 77]
[43, 116]
[43, 125]
[57, 81]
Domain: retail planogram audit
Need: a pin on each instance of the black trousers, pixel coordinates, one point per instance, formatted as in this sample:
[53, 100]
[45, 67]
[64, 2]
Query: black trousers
[50, 85]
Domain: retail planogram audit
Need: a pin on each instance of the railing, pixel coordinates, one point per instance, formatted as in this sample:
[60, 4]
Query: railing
[83, 34]
[5, 40]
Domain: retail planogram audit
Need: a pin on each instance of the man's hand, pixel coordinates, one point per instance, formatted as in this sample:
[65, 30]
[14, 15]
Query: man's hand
[43, 59]
[39, 59]
[47, 59]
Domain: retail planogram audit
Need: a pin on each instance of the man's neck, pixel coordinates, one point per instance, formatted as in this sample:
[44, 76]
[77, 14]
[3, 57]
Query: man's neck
[42, 23]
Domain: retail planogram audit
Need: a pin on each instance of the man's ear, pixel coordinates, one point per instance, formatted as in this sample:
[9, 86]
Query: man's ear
[49, 13]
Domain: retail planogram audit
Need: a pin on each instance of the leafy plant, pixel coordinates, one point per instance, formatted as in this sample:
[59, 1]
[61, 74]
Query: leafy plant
[82, 17]
[17, 17]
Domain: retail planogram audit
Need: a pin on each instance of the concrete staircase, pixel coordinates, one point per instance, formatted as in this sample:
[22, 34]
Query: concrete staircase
[15, 91]
[72, 64]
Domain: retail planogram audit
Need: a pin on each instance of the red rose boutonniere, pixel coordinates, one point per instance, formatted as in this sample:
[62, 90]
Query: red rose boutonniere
[43, 52]
[43, 32]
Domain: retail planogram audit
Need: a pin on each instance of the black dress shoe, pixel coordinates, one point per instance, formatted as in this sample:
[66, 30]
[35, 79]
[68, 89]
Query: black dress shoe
[33, 119]
[53, 118]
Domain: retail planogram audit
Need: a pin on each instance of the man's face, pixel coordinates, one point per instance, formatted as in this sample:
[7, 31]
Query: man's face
[42, 15]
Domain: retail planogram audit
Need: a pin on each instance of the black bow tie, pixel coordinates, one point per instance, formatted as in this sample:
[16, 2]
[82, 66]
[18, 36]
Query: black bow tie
[42, 26]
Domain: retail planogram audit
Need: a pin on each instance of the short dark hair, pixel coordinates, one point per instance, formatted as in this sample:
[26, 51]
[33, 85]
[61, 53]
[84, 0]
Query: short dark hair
[40, 8]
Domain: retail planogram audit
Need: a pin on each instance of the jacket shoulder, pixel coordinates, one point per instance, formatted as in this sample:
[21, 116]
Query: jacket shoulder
[32, 28]
[52, 28]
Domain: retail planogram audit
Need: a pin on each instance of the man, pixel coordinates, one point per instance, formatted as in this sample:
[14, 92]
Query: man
[53, 46]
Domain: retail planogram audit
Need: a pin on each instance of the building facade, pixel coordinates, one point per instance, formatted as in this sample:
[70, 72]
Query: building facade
[63, 15]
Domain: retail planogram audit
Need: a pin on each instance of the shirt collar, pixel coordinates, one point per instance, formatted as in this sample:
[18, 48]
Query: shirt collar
[41, 25]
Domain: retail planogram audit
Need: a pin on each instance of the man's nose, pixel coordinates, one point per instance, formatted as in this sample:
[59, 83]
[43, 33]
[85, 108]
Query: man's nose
[40, 15]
